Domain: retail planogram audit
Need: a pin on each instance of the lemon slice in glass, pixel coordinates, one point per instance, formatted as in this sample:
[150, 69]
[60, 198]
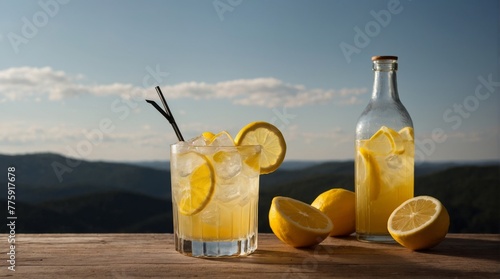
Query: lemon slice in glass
[208, 136]
[271, 141]
[298, 224]
[253, 161]
[196, 184]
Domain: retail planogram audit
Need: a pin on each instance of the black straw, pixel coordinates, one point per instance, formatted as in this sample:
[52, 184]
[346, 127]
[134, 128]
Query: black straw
[166, 113]
[159, 109]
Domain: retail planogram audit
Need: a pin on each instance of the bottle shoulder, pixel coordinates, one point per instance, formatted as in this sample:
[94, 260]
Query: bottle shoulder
[377, 114]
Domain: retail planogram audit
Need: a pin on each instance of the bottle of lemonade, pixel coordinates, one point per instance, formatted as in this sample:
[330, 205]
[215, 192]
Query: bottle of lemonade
[384, 162]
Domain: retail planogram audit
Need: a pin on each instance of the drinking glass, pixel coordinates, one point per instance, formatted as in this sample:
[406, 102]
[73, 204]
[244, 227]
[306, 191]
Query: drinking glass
[215, 191]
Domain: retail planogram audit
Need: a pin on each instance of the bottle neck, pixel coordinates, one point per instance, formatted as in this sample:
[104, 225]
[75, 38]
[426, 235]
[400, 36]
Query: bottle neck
[385, 82]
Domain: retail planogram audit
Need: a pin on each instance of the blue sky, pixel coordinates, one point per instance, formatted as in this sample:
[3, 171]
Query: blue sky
[74, 74]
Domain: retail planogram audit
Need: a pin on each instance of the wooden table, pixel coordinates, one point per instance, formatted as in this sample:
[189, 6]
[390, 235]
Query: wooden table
[153, 255]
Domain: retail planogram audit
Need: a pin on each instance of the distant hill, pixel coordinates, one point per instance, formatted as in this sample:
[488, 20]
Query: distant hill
[38, 182]
[158, 165]
[470, 194]
[114, 197]
[117, 212]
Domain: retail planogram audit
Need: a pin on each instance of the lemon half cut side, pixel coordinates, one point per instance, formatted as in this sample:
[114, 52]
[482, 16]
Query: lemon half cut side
[419, 223]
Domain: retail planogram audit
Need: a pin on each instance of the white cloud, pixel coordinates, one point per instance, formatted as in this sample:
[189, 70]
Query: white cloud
[24, 133]
[265, 92]
[29, 82]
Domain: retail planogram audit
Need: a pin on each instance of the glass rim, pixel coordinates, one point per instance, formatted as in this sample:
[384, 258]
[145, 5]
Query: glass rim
[218, 146]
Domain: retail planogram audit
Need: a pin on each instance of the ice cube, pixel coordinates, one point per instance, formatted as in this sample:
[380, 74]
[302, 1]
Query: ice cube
[227, 163]
[199, 144]
[222, 139]
[249, 171]
[197, 141]
[181, 146]
[244, 194]
[228, 192]
[394, 162]
[187, 162]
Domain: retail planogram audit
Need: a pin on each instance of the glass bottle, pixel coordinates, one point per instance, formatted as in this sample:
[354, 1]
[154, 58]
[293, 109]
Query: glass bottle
[384, 162]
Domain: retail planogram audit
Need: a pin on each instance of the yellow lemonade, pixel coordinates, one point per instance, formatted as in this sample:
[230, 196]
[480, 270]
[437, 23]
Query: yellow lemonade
[215, 192]
[230, 214]
[384, 175]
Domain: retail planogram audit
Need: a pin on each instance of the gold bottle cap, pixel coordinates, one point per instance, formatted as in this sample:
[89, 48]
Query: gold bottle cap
[385, 57]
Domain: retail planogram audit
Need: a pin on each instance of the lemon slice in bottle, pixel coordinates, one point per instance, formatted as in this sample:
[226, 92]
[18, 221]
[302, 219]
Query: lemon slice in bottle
[369, 172]
[271, 141]
[385, 141]
[407, 133]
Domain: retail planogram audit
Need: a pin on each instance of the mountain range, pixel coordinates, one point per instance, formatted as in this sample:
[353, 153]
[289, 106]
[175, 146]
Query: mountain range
[58, 194]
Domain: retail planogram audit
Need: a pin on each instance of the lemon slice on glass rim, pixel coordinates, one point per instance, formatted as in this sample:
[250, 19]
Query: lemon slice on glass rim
[271, 140]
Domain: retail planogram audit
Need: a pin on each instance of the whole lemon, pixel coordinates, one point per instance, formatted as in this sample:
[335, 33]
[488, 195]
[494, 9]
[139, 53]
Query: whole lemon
[339, 205]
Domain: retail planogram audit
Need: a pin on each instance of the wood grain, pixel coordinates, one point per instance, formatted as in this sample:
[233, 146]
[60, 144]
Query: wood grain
[153, 255]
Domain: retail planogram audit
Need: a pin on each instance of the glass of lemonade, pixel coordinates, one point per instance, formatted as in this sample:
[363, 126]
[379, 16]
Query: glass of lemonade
[384, 180]
[215, 191]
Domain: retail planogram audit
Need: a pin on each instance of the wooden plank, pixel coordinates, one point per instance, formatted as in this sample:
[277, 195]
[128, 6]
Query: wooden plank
[153, 255]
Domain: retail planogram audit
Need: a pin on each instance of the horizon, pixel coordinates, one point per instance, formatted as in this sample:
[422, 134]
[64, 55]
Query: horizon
[485, 161]
[77, 87]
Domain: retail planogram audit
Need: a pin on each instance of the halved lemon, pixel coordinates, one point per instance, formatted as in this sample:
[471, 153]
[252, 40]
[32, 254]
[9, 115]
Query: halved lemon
[196, 187]
[298, 224]
[269, 138]
[419, 223]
